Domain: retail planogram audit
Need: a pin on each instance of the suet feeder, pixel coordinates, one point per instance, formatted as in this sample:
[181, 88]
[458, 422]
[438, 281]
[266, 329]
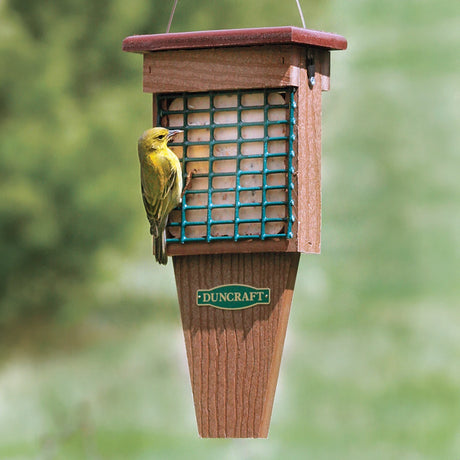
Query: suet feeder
[249, 103]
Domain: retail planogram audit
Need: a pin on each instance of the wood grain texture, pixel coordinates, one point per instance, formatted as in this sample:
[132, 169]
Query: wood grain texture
[154, 110]
[234, 356]
[228, 247]
[222, 68]
[309, 161]
[233, 37]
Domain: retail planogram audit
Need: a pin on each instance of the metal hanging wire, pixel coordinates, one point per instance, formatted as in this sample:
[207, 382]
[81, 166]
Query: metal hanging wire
[168, 28]
[301, 13]
[171, 16]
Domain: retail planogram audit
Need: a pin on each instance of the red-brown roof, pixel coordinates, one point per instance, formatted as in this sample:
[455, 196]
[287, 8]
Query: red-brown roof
[234, 37]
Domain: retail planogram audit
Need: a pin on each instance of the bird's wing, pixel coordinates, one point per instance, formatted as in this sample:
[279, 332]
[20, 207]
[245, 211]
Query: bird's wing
[157, 180]
[171, 179]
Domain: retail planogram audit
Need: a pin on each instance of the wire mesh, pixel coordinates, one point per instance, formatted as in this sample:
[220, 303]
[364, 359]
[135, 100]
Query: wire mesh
[238, 147]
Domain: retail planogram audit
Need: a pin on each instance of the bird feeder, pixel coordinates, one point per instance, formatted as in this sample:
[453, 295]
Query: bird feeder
[249, 104]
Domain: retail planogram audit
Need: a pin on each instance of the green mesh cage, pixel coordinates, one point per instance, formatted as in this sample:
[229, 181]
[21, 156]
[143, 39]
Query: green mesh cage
[238, 146]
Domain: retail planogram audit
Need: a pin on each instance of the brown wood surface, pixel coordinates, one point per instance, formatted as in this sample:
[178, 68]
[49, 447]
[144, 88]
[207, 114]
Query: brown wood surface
[228, 247]
[223, 68]
[154, 110]
[233, 37]
[234, 356]
[309, 160]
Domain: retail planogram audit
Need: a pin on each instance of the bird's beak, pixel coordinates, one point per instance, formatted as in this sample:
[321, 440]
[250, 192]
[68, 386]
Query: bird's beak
[173, 132]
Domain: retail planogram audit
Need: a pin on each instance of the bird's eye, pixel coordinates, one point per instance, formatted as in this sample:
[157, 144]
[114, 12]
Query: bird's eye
[161, 137]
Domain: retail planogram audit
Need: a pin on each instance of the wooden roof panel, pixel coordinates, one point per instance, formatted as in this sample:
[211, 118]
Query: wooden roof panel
[233, 37]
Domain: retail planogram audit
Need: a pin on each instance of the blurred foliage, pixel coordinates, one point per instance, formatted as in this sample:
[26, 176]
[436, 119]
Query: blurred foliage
[390, 163]
[60, 159]
[71, 109]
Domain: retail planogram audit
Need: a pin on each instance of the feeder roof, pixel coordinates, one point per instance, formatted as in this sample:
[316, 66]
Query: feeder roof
[234, 37]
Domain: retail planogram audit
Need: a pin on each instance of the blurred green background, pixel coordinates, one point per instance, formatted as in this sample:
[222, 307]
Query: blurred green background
[92, 360]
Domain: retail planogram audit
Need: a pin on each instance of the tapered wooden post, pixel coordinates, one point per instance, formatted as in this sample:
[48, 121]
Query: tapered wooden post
[234, 356]
[249, 103]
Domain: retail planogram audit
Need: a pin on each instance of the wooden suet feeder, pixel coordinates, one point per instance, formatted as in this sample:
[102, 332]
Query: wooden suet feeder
[249, 103]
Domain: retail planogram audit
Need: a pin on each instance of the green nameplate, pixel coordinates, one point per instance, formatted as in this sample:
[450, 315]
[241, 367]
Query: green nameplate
[232, 296]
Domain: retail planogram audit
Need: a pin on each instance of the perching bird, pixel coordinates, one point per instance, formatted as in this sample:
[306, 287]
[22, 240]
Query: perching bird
[161, 183]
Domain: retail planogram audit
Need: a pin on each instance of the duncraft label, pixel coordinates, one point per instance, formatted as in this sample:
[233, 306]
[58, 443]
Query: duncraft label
[232, 296]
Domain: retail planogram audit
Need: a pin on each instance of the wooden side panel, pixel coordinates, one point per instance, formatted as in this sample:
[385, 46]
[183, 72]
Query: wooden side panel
[154, 110]
[234, 356]
[325, 69]
[222, 68]
[309, 161]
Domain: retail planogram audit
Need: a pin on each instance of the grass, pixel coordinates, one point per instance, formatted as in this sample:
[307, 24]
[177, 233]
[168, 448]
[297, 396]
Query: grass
[370, 368]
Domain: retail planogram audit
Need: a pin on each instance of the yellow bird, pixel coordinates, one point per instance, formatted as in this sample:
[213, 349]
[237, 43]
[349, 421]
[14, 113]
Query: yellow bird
[161, 183]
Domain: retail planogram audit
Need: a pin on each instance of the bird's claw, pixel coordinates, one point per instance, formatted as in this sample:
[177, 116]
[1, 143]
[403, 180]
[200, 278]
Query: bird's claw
[188, 181]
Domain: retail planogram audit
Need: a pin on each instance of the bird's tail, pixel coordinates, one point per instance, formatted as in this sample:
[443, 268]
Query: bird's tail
[154, 231]
[159, 248]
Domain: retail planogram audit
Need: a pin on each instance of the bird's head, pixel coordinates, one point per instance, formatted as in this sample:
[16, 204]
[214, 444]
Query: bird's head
[155, 138]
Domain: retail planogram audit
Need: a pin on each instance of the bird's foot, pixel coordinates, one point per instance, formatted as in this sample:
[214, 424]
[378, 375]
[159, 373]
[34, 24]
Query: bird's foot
[188, 181]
